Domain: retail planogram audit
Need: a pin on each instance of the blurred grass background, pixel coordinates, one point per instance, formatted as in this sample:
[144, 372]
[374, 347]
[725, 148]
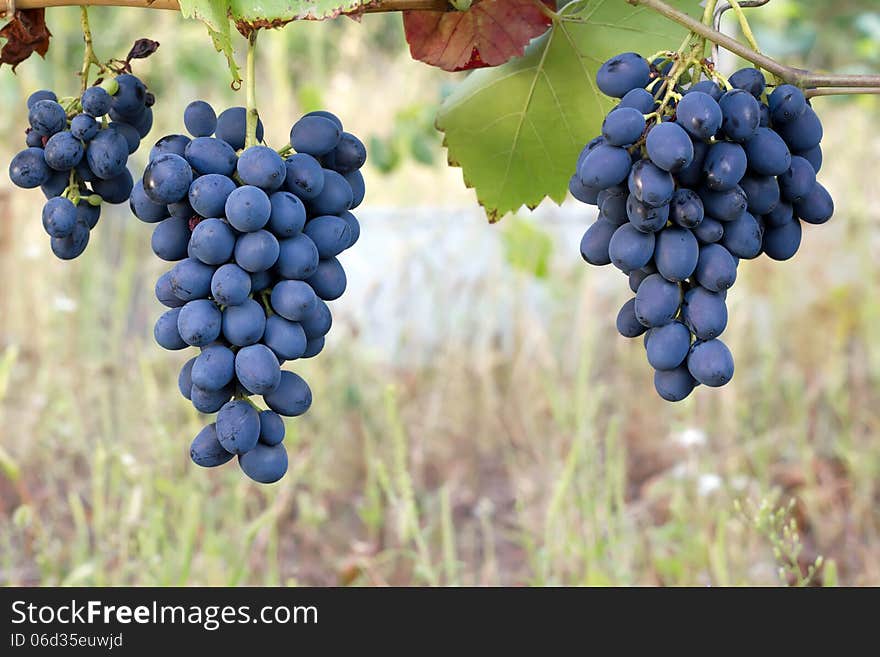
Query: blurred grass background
[477, 419]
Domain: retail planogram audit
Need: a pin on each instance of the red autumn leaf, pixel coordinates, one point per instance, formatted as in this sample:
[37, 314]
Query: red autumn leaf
[488, 34]
[25, 34]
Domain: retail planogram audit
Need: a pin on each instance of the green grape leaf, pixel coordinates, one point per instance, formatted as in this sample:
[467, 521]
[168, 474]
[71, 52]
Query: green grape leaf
[516, 130]
[214, 14]
[219, 16]
[248, 14]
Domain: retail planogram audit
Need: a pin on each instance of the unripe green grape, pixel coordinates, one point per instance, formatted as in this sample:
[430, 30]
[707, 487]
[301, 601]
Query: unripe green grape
[111, 86]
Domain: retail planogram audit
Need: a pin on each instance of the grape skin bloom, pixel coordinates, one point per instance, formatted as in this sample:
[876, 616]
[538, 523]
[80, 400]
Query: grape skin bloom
[256, 239]
[715, 179]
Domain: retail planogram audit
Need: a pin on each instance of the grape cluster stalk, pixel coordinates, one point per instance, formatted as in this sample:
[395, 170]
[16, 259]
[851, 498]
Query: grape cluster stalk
[691, 177]
[255, 234]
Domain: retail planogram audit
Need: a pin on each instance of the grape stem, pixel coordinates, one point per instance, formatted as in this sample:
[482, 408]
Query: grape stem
[744, 24]
[682, 60]
[709, 11]
[791, 75]
[89, 57]
[72, 191]
[838, 91]
[264, 299]
[246, 397]
[253, 116]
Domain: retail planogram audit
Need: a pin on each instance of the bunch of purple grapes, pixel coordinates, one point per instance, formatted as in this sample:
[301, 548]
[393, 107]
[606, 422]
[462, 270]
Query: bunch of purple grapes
[685, 192]
[255, 234]
[77, 152]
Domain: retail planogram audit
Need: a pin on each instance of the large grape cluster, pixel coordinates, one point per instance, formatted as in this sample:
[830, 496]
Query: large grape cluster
[77, 152]
[255, 234]
[688, 187]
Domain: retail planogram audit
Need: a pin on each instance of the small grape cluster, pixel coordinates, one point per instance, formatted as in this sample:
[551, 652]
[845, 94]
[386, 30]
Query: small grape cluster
[689, 181]
[77, 152]
[255, 233]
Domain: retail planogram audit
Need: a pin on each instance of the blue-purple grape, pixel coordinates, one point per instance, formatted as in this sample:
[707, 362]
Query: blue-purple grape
[711, 363]
[622, 74]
